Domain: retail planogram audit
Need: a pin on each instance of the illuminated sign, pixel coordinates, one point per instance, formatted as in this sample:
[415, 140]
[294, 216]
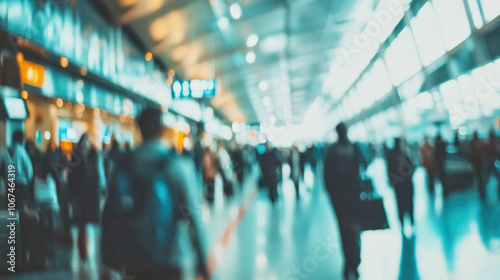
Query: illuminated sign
[31, 73]
[193, 89]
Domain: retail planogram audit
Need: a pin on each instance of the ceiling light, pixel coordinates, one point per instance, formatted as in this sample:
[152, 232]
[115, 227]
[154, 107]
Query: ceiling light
[236, 127]
[235, 11]
[272, 119]
[267, 101]
[250, 57]
[252, 40]
[263, 86]
[223, 22]
[148, 56]
[64, 62]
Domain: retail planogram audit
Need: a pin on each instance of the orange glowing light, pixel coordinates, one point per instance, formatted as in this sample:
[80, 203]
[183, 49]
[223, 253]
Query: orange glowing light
[59, 102]
[19, 57]
[253, 133]
[24, 94]
[64, 62]
[148, 56]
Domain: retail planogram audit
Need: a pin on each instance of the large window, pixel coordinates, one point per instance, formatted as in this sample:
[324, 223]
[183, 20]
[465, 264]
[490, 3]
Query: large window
[401, 57]
[476, 13]
[354, 101]
[450, 92]
[427, 35]
[491, 9]
[453, 20]
[365, 93]
[378, 79]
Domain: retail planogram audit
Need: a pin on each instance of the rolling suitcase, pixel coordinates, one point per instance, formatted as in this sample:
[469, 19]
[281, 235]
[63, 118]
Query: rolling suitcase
[459, 174]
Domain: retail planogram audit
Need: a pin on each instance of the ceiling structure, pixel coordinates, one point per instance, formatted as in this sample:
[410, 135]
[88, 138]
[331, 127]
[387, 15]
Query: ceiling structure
[270, 57]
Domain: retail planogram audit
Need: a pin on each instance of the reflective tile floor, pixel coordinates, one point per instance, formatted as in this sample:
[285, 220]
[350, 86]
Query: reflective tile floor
[453, 239]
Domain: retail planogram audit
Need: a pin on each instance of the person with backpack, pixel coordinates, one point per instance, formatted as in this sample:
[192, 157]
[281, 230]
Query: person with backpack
[343, 183]
[150, 195]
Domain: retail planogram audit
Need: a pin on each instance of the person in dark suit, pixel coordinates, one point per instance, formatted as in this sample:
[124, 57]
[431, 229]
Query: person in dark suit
[270, 162]
[85, 179]
[295, 166]
[400, 170]
[439, 158]
[343, 183]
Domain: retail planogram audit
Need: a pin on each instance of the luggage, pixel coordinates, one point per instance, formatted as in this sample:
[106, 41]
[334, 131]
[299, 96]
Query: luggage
[372, 214]
[46, 192]
[372, 210]
[459, 174]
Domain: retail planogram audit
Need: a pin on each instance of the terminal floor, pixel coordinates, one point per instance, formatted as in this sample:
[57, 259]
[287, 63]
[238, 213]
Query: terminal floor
[453, 239]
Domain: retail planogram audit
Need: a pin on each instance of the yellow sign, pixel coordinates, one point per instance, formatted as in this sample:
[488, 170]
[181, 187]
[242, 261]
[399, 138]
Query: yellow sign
[31, 73]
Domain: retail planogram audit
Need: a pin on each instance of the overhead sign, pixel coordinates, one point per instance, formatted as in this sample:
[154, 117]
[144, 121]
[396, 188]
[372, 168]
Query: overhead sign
[31, 73]
[193, 89]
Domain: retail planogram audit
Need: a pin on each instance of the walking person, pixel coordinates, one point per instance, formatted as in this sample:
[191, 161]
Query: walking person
[18, 157]
[85, 181]
[439, 157]
[225, 169]
[270, 163]
[426, 157]
[294, 162]
[55, 163]
[150, 196]
[112, 157]
[401, 169]
[343, 184]
[491, 155]
[476, 158]
[209, 166]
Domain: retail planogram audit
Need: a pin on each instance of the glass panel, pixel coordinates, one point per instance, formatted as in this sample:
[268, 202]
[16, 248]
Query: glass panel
[476, 13]
[491, 9]
[427, 36]
[401, 57]
[450, 92]
[355, 104]
[364, 94]
[379, 80]
[453, 20]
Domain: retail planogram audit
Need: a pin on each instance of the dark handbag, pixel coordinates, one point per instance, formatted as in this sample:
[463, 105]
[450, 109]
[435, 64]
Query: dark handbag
[372, 215]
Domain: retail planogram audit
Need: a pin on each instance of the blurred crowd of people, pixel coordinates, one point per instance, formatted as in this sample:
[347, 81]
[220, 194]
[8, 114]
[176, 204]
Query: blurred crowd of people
[139, 196]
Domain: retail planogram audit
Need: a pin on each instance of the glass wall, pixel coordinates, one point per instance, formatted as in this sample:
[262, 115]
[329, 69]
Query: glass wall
[463, 100]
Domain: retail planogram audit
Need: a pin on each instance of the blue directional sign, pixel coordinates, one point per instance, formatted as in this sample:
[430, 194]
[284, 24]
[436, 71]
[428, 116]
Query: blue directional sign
[193, 89]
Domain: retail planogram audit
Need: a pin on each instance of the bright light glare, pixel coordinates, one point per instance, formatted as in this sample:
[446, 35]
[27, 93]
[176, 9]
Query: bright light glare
[236, 127]
[235, 11]
[266, 101]
[252, 40]
[272, 119]
[250, 57]
[263, 86]
[46, 135]
[223, 22]
[261, 260]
